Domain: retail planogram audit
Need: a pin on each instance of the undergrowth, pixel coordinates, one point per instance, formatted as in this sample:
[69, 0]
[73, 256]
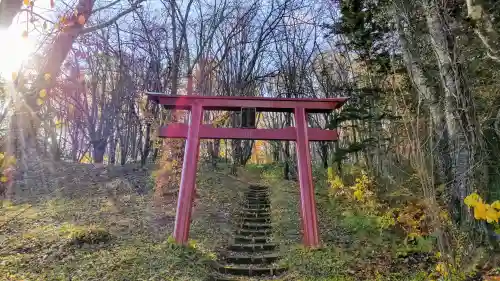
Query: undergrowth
[362, 237]
[113, 236]
[119, 235]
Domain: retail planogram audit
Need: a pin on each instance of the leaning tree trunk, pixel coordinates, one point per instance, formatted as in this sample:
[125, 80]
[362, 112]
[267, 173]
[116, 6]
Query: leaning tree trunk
[459, 113]
[431, 98]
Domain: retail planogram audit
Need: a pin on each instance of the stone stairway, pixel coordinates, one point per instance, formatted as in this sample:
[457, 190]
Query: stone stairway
[252, 254]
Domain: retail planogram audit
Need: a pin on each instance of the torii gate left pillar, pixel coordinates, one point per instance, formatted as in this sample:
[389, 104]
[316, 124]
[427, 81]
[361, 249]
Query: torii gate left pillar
[196, 131]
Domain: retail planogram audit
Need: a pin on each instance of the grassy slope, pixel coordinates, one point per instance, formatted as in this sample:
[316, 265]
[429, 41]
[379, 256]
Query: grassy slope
[126, 238]
[353, 246]
[37, 241]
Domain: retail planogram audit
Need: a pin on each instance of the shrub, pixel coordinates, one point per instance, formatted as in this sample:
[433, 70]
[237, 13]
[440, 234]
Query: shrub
[90, 235]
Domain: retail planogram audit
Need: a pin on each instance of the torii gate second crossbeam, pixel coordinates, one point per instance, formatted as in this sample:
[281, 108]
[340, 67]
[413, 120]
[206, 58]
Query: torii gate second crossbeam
[195, 131]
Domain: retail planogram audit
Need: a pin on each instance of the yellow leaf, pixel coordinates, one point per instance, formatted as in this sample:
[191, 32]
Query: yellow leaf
[43, 93]
[441, 268]
[39, 101]
[444, 215]
[496, 205]
[358, 194]
[26, 2]
[330, 172]
[491, 214]
[14, 76]
[480, 211]
[413, 235]
[81, 19]
[4, 179]
[47, 76]
[472, 200]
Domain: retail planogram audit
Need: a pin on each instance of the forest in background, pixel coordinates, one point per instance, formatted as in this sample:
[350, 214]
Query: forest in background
[422, 119]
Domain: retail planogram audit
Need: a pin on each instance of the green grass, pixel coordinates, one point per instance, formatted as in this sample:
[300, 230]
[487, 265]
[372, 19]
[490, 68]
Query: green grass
[113, 237]
[95, 233]
[353, 245]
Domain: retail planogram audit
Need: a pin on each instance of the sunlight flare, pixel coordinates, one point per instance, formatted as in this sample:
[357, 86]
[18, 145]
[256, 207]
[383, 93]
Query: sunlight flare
[14, 50]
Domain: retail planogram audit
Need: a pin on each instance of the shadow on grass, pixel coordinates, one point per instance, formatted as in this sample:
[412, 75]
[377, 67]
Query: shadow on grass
[111, 234]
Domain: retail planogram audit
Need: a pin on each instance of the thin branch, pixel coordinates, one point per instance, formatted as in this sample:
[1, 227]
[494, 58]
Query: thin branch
[113, 20]
[106, 6]
[38, 15]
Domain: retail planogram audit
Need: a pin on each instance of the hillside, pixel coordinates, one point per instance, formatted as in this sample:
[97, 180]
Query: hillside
[85, 226]
[108, 227]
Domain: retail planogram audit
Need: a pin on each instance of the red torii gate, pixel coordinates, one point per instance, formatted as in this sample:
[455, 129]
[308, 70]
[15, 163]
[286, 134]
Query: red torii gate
[196, 131]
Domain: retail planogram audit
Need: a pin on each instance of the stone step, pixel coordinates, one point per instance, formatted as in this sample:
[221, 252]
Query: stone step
[223, 277]
[257, 201]
[252, 247]
[258, 187]
[253, 233]
[255, 210]
[267, 258]
[257, 206]
[254, 215]
[240, 239]
[216, 276]
[255, 226]
[251, 270]
[256, 194]
[255, 219]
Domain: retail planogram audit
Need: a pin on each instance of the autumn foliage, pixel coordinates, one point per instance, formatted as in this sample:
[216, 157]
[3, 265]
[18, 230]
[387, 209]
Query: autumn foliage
[482, 210]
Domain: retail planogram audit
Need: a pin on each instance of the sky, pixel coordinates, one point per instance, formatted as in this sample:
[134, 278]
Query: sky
[18, 48]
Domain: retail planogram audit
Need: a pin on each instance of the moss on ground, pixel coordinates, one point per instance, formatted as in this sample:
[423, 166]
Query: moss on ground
[116, 235]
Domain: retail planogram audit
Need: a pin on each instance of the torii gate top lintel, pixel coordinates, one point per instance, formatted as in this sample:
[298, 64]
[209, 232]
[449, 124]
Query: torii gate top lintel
[261, 104]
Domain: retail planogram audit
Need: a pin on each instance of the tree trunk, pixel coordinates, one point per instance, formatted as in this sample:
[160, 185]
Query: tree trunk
[246, 151]
[276, 147]
[112, 150]
[431, 98]
[286, 155]
[324, 154]
[147, 145]
[99, 148]
[458, 111]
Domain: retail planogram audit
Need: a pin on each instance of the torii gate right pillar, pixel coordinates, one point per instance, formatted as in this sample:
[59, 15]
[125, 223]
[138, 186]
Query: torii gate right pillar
[307, 202]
